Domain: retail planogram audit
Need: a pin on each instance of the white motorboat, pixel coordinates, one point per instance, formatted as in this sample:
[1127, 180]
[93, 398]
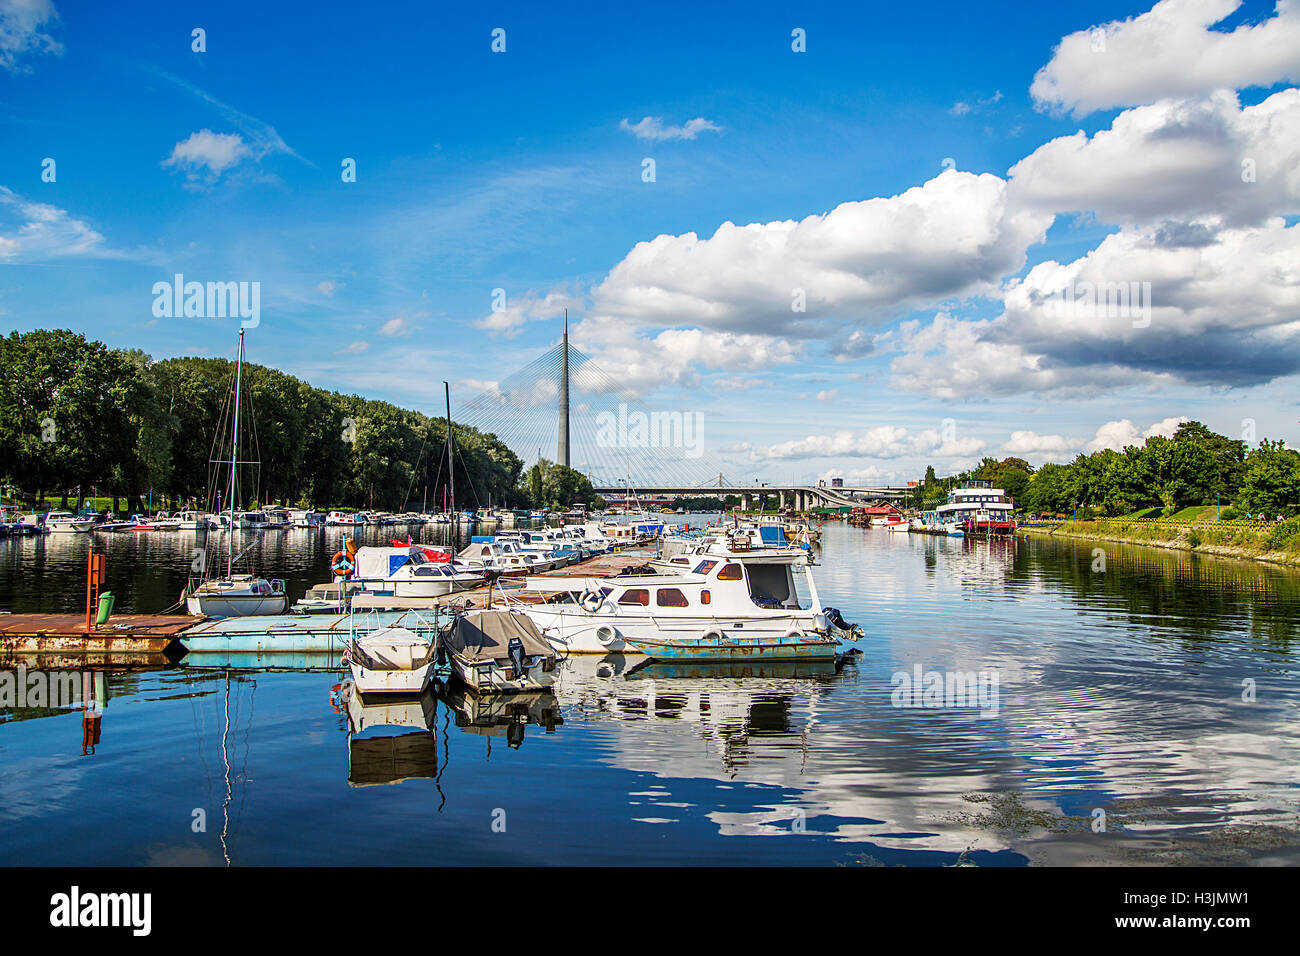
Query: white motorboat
[346, 519]
[499, 651]
[503, 557]
[193, 521]
[729, 590]
[65, 522]
[977, 508]
[390, 660]
[413, 571]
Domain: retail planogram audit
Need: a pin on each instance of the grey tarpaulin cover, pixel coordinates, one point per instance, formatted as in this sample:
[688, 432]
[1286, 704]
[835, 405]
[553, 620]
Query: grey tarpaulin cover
[487, 634]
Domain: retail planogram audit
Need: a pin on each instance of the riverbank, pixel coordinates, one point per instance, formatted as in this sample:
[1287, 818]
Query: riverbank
[1276, 544]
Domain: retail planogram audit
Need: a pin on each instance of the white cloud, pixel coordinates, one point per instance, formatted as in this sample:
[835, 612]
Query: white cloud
[215, 152]
[519, 310]
[355, 348]
[1208, 306]
[1118, 435]
[395, 327]
[1176, 158]
[1034, 447]
[38, 231]
[1169, 51]
[327, 287]
[652, 128]
[883, 441]
[955, 235]
[21, 34]
[828, 395]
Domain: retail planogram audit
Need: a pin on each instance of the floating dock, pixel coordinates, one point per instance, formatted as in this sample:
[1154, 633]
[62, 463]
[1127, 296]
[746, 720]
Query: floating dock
[66, 633]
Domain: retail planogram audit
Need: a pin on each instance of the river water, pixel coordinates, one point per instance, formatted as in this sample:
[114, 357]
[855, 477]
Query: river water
[1108, 704]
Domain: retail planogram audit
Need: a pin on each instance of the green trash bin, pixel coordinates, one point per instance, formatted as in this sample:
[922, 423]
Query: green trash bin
[105, 607]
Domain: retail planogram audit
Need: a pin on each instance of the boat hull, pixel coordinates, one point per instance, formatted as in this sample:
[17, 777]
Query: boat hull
[491, 678]
[235, 605]
[702, 650]
[370, 682]
[594, 633]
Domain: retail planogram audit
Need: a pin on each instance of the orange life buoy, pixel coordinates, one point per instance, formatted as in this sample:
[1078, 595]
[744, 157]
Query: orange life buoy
[341, 566]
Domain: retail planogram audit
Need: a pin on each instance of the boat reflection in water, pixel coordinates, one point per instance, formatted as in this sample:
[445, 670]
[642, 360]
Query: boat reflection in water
[503, 715]
[394, 740]
[376, 758]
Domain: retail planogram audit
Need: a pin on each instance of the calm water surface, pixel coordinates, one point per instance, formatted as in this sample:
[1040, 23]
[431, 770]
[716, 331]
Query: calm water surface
[1123, 693]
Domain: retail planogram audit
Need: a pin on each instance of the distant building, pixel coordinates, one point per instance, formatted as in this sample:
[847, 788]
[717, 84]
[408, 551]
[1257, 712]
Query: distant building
[837, 482]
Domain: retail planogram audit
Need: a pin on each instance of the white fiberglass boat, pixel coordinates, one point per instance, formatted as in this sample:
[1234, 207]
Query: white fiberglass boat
[391, 659]
[499, 651]
[238, 595]
[729, 590]
[413, 571]
[65, 522]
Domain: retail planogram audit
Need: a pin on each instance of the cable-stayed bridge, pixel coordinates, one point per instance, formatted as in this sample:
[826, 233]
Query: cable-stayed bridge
[564, 407]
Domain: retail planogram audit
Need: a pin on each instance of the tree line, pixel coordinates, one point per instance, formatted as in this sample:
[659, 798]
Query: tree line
[76, 414]
[1194, 466]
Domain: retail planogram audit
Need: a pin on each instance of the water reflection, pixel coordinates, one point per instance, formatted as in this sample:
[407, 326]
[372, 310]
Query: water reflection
[1121, 690]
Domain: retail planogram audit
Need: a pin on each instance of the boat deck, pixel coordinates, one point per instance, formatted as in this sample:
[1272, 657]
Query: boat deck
[66, 633]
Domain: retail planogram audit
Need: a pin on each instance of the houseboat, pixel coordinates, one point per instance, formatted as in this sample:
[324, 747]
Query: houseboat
[977, 508]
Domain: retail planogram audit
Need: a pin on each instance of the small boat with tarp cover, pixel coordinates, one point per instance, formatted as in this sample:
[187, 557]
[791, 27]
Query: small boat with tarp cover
[499, 652]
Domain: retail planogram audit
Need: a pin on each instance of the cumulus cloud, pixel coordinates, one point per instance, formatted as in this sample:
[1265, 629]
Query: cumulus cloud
[519, 310]
[883, 441]
[34, 231]
[1118, 435]
[327, 288]
[632, 362]
[1169, 51]
[1137, 310]
[955, 235]
[1175, 158]
[652, 128]
[21, 33]
[1034, 447]
[206, 150]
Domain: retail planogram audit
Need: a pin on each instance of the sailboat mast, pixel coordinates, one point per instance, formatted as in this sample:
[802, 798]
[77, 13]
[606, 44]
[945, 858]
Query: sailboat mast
[234, 457]
[451, 464]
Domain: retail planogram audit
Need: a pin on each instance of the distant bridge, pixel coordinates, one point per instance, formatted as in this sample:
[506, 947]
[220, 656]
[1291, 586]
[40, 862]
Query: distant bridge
[799, 497]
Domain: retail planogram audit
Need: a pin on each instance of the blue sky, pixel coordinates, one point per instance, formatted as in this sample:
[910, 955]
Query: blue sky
[523, 171]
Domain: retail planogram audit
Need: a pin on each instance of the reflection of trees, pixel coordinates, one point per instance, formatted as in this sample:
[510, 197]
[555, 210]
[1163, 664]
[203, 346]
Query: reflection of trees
[1196, 597]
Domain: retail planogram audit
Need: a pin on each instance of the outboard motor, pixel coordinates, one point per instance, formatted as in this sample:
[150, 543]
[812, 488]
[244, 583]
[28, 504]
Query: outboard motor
[833, 615]
[515, 651]
[836, 619]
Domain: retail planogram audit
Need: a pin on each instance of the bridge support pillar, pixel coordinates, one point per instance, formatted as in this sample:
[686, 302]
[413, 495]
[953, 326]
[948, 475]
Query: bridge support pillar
[781, 499]
[746, 502]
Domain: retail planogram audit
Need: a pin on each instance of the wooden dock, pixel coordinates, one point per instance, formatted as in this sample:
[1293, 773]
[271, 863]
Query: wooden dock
[66, 633]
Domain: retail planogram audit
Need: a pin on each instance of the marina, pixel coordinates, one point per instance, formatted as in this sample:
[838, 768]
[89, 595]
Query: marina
[689, 759]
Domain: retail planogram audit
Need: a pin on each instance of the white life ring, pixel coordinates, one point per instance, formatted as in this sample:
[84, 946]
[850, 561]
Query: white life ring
[606, 635]
[714, 635]
[794, 635]
[591, 600]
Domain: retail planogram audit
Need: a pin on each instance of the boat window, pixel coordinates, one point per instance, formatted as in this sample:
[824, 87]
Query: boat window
[730, 572]
[705, 567]
[635, 596]
[705, 597]
[670, 597]
[771, 585]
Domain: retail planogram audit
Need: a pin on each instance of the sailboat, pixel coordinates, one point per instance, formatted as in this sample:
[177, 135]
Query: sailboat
[235, 595]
